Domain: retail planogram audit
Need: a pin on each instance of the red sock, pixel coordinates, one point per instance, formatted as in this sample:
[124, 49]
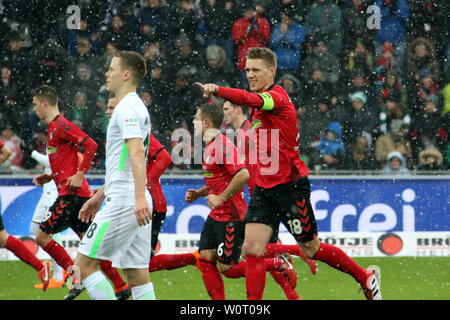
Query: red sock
[212, 279]
[236, 271]
[112, 274]
[275, 249]
[18, 248]
[59, 254]
[255, 277]
[290, 293]
[171, 261]
[338, 259]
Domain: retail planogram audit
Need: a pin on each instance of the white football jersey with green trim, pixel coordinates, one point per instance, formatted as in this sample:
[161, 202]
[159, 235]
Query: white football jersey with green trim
[130, 119]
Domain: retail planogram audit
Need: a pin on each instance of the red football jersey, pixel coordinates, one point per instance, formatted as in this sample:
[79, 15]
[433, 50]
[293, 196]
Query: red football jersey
[277, 123]
[247, 148]
[1, 144]
[221, 162]
[63, 141]
[158, 160]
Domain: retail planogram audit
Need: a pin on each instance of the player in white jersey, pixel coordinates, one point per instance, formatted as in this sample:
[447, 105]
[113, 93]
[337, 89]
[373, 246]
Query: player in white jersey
[121, 231]
[49, 195]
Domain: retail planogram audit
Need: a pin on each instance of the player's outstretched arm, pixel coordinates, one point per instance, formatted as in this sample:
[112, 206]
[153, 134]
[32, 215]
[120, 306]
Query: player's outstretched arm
[138, 168]
[240, 97]
[236, 184]
[42, 179]
[207, 89]
[193, 194]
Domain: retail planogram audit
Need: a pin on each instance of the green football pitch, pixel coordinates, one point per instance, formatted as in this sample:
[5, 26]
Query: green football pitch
[424, 278]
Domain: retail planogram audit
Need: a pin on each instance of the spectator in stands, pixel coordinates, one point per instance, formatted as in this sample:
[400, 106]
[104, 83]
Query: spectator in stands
[324, 23]
[87, 33]
[386, 63]
[394, 16]
[17, 58]
[428, 127]
[321, 58]
[80, 109]
[359, 157]
[153, 22]
[184, 56]
[429, 19]
[357, 117]
[249, 31]
[317, 89]
[119, 34]
[81, 81]
[109, 50]
[359, 58]
[182, 101]
[14, 143]
[9, 93]
[286, 41]
[354, 18]
[50, 59]
[394, 140]
[218, 16]
[293, 87]
[396, 164]
[217, 69]
[421, 56]
[183, 20]
[156, 82]
[84, 56]
[426, 88]
[430, 159]
[274, 9]
[358, 82]
[393, 90]
[331, 146]
[313, 119]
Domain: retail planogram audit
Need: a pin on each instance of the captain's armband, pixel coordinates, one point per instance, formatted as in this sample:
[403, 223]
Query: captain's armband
[268, 103]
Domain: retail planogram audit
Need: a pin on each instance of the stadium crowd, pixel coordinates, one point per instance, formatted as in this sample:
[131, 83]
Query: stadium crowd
[371, 94]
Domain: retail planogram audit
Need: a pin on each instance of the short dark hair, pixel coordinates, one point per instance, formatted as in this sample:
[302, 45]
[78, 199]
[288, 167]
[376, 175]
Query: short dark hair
[243, 108]
[265, 54]
[46, 92]
[135, 62]
[214, 112]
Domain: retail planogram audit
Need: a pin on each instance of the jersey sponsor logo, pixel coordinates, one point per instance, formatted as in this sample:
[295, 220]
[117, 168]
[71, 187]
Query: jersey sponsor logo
[51, 150]
[256, 124]
[131, 122]
[207, 174]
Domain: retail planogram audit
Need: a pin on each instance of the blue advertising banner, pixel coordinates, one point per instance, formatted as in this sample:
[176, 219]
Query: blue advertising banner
[340, 204]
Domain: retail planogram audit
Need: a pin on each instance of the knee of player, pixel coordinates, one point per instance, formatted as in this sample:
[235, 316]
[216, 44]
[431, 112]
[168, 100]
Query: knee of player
[42, 238]
[3, 236]
[252, 247]
[310, 248]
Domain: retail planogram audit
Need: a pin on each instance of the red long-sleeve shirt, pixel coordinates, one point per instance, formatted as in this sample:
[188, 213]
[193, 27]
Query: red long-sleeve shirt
[245, 40]
[64, 140]
[279, 159]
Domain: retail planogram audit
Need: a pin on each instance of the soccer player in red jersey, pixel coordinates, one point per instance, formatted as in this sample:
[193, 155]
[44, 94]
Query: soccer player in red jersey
[64, 140]
[225, 175]
[282, 192]
[15, 245]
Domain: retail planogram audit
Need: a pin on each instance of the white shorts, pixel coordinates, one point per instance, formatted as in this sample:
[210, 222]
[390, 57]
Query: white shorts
[43, 206]
[115, 235]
